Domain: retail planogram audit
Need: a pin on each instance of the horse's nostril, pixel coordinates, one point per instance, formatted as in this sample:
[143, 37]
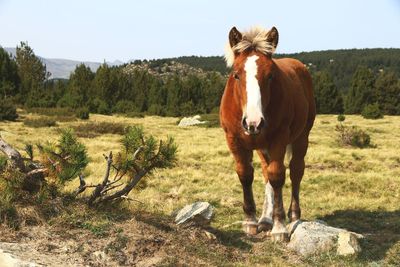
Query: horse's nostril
[244, 123]
[261, 124]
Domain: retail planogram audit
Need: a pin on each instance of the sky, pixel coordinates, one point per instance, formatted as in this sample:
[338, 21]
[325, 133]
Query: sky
[97, 30]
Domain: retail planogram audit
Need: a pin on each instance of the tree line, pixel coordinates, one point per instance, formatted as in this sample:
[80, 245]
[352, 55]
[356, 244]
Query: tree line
[367, 77]
[111, 89]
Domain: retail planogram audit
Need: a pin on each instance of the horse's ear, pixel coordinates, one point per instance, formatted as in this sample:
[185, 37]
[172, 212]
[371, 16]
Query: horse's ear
[273, 37]
[234, 37]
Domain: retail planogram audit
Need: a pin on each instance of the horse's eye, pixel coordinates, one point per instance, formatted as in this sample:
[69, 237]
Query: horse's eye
[236, 76]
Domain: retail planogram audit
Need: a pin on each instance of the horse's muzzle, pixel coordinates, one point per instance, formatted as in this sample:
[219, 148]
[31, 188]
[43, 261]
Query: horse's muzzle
[253, 127]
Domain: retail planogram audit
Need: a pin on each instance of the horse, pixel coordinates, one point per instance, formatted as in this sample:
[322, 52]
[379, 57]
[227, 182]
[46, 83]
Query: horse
[268, 105]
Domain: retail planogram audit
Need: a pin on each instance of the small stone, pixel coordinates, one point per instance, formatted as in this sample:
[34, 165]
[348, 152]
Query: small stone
[100, 255]
[198, 212]
[347, 244]
[210, 235]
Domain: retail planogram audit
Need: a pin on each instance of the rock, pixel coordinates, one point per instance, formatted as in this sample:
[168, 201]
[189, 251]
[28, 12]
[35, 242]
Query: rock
[347, 244]
[198, 212]
[189, 121]
[9, 260]
[100, 255]
[315, 237]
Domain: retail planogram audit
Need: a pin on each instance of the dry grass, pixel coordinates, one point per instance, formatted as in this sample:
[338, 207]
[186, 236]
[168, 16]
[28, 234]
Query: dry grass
[358, 189]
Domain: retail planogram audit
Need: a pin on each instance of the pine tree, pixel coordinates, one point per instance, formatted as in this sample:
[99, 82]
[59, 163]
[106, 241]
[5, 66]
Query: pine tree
[32, 73]
[9, 80]
[327, 96]
[361, 92]
[387, 88]
[80, 83]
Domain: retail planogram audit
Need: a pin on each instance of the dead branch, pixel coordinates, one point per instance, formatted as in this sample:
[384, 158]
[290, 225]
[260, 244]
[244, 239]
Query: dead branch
[15, 159]
[99, 188]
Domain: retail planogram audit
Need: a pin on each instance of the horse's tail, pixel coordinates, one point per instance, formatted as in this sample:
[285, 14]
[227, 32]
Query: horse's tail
[288, 155]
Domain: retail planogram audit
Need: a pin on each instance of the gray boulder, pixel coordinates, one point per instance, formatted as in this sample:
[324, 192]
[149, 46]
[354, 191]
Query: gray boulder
[309, 238]
[198, 212]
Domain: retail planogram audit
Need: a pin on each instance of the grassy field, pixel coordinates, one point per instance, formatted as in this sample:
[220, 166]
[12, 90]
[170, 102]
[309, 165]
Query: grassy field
[358, 189]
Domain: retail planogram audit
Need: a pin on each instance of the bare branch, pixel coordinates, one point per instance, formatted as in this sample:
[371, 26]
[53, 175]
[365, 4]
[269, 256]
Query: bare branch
[15, 158]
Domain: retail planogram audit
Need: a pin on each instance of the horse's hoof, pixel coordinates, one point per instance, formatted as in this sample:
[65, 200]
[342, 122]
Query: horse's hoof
[280, 237]
[264, 227]
[250, 228]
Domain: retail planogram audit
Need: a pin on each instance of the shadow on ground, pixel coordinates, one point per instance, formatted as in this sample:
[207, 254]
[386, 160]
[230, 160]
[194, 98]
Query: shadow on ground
[380, 228]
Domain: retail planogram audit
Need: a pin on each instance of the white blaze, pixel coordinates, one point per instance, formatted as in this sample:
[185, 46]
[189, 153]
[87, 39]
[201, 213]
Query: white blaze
[253, 110]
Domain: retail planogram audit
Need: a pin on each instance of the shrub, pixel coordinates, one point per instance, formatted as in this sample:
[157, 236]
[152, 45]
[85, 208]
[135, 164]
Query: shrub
[7, 111]
[82, 113]
[341, 117]
[124, 106]
[156, 109]
[372, 111]
[65, 159]
[40, 122]
[94, 129]
[62, 112]
[135, 114]
[99, 106]
[352, 136]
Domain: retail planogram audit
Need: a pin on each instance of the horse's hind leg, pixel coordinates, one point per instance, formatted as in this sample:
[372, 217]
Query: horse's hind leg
[299, 150]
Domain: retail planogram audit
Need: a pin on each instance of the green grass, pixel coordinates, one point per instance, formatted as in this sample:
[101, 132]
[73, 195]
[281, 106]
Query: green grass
[358, 189]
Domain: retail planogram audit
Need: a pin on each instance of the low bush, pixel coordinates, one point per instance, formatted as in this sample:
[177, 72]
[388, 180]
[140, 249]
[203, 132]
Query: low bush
[94, 129]
[82, 113]
[372, 111]
[52, 111]
[341, 118]
[40, 122]
[156, 109]
[352, 136]
[7, 111]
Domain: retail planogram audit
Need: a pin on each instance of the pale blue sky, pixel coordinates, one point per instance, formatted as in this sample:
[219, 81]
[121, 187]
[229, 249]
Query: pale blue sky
[109, 30]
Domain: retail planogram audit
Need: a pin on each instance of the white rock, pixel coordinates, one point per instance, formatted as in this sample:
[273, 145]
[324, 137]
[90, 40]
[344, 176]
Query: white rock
[9, 260]
[347, 244]
[198, 212]
[315, 237]
[189, 121]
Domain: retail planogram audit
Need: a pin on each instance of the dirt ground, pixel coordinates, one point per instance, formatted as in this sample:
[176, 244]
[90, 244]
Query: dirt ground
[139, 241]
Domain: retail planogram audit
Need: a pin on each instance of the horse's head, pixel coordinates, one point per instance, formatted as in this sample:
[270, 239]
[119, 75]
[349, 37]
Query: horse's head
[249, 55]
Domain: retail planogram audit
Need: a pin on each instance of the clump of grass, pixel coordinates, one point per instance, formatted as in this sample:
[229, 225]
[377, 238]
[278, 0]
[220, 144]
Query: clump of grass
[94, 129]
[352, 136]
[40, 122]
[392, 257]
[82, 113]
[212, 120]
[58, 112]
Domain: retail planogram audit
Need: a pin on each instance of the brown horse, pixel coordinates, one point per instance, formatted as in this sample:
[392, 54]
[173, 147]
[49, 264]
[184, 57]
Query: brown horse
[268, 105]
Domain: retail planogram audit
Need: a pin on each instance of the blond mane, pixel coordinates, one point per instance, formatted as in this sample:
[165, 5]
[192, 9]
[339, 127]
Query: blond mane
[255, 39]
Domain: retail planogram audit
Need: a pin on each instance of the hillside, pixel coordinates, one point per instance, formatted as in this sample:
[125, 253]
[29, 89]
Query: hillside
[62, 68]
[341, 64]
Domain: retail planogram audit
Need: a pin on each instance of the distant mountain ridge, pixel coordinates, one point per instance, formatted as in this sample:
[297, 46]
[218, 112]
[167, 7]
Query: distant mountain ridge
[62, 68]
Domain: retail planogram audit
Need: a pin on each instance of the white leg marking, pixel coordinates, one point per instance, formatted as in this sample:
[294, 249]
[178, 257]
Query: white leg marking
[266, 216]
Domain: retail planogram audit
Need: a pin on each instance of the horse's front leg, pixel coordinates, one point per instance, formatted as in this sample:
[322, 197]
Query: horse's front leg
[244, 170]
[276, 178]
